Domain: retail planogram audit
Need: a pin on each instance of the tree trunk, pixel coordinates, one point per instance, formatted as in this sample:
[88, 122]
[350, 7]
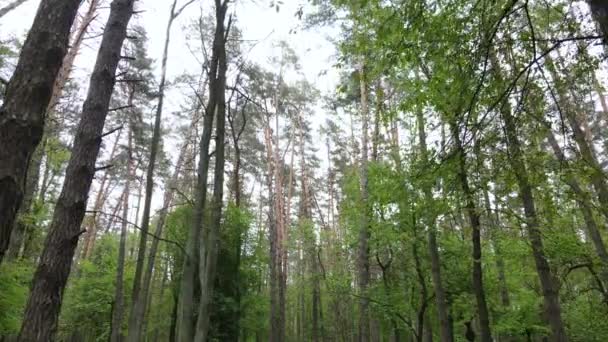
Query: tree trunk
[445, 328]
[599, 9]
[44, 303]
[364, 234]
[196, 240]
[119, 297]
[552, 307]
[27, 96]
[11, 6]
[91, 222]
[138, 309]
[475, 222]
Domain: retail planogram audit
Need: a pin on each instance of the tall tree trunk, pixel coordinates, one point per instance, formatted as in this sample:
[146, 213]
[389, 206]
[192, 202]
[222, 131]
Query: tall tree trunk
[445, 328]
[475, 222]
[27, 95]
[552, 307]
[186, 318]
[119, 297]
[364, 234]
[140, 290]
[11, 6]
[44, 303]
[210, 243]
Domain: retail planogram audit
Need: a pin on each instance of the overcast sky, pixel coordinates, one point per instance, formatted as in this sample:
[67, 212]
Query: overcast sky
[257, 20]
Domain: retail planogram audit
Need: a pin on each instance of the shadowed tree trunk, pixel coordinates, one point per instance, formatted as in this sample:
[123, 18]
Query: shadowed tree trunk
[599, 9]
[27, 96]
[44, 303]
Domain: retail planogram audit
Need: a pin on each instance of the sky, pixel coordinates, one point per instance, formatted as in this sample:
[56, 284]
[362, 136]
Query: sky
[261, 25]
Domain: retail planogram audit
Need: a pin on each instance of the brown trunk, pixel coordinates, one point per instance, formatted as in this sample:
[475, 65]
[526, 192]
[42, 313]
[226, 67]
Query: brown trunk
[27, 95]
[364, 234]
[44, 303]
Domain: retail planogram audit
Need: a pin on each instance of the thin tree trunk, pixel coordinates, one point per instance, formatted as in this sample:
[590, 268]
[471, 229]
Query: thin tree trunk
[27, 96]
[196, 240]
[138, 309]
[119, 305]
[552, 307]
[445, 328]
[209, 246]
[364, 234]
[11, 6]
[44, 303]
[475, 222]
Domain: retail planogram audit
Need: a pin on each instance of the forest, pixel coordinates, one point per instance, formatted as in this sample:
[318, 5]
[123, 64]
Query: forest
[169, 173]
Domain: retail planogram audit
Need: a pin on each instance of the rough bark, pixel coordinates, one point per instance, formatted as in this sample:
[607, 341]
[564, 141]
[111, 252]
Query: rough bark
[27, 95]
[44, 303]
[11, 6]
[364, 234]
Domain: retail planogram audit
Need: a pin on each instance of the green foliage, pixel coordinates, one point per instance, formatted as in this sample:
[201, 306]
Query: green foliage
[89, 297]
[14, 282]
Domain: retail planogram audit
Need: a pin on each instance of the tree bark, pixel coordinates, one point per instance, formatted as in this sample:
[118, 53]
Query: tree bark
[599, 10]
[27, 96]
[44, 303]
